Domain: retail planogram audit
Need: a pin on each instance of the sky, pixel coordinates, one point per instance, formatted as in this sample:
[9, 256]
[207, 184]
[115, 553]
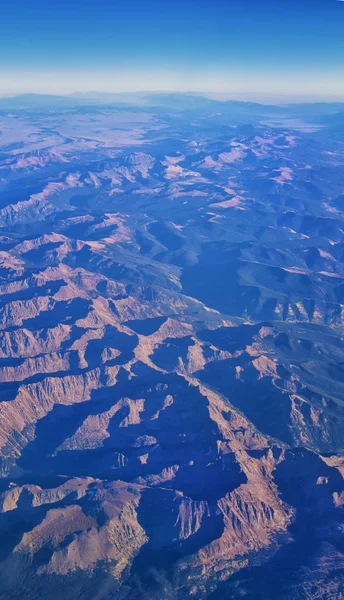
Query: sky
[219, 46]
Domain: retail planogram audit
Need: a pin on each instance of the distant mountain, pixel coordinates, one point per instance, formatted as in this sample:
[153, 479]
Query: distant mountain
[38, 101]
[176, 101]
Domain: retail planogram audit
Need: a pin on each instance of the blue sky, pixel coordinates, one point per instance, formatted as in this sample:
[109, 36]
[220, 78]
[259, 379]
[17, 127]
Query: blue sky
[218, 45]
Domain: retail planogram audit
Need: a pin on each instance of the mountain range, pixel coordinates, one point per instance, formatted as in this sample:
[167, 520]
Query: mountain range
[171, 348]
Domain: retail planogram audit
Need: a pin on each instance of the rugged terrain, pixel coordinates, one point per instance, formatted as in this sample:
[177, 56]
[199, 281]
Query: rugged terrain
[171, 350]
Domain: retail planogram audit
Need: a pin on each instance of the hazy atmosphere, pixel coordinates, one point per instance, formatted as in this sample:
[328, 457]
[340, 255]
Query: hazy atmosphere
[224, 46]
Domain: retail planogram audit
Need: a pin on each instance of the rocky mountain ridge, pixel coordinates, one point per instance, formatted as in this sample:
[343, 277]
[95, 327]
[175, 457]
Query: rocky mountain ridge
[171, 350]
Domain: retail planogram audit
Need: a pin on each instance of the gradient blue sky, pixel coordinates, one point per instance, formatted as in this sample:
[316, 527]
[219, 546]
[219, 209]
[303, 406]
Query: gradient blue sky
[280, 46]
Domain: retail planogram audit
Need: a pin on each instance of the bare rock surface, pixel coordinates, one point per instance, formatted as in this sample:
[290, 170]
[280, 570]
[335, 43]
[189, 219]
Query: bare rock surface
[171, 355]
